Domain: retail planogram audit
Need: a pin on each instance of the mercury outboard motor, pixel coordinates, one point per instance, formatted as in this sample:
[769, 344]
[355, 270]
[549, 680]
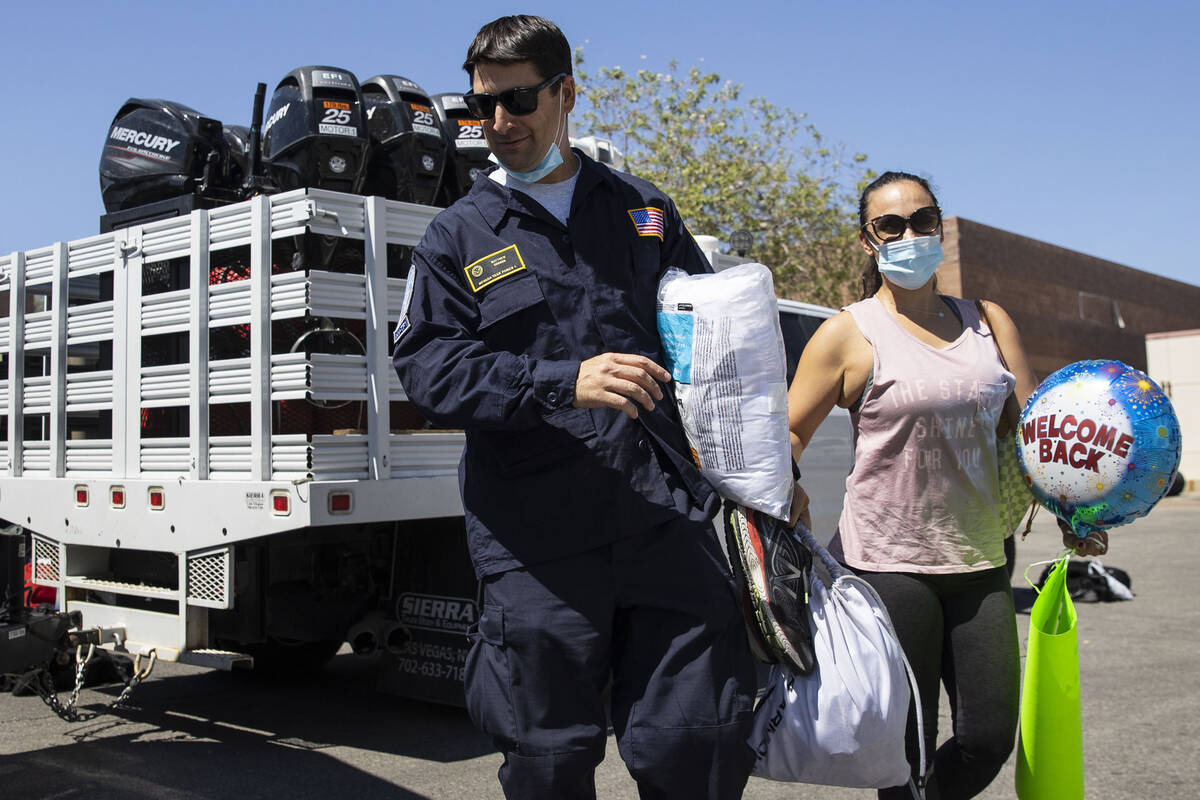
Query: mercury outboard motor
[465, 135]
[315, 134]
[162, 159]
[408, 151]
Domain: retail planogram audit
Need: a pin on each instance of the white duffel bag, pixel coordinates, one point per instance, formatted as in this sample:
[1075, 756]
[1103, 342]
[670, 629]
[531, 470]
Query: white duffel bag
[844, 723]
[724, 348]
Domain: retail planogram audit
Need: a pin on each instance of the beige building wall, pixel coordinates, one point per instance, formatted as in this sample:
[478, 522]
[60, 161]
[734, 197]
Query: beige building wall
[1173, 362]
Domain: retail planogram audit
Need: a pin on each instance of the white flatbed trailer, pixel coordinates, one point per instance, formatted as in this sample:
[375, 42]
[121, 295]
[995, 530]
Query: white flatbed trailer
[76, 469]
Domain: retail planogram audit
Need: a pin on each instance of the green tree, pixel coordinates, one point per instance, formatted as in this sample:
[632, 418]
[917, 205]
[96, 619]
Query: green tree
[736, 164]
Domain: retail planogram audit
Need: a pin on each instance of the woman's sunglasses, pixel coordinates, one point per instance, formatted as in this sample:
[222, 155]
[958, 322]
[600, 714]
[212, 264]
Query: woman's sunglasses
[888, 227]
[519, 100]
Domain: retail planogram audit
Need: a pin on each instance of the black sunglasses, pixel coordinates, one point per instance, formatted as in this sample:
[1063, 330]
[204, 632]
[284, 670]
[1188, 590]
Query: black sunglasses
[519, 100]
[889, 227]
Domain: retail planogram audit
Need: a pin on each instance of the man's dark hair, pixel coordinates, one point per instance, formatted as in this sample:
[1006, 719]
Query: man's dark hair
[513, 40]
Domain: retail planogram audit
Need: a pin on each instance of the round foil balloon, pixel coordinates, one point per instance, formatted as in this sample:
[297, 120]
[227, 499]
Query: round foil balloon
[1099, 444]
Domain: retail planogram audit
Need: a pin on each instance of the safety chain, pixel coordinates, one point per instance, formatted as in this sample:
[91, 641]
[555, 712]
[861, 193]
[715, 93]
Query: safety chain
[43, 683]
[136, 678]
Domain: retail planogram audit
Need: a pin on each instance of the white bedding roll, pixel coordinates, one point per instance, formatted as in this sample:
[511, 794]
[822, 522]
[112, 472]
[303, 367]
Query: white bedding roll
[724, 348]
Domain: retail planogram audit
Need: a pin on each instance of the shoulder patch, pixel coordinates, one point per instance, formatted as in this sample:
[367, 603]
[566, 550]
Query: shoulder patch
[494, 267]
[647, 221]
[403, 325]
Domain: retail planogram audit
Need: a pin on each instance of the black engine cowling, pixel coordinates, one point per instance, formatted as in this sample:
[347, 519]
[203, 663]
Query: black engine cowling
[408, 151]
[315, 134]
[465, 136]
[158, 149]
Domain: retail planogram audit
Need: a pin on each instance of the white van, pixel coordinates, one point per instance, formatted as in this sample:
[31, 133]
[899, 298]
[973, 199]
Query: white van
[827, 460]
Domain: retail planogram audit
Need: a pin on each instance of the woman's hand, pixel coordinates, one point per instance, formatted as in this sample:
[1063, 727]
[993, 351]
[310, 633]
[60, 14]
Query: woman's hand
[1094, 544]
[799, 512]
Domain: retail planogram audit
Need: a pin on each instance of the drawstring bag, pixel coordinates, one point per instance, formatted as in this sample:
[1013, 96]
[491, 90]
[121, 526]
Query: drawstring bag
[844, 723]
[1050, 743]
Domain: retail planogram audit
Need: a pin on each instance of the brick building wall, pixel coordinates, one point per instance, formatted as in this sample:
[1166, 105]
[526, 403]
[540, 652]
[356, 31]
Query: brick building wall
[1068, 306]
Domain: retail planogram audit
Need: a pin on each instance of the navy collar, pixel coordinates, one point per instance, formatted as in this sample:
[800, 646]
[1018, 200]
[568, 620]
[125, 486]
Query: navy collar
[494, 202]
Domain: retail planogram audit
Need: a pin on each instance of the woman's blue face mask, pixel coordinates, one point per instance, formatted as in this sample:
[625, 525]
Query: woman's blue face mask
[909, 263]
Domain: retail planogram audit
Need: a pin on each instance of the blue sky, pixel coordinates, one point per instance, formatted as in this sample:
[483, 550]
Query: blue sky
[1076, 123]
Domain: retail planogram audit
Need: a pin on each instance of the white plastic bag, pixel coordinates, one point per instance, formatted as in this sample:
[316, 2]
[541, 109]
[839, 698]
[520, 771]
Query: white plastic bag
[843, 724]
[725, 352]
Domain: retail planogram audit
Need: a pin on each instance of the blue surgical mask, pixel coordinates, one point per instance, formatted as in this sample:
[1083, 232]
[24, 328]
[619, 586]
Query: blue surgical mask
[550, 161]
[909, 263]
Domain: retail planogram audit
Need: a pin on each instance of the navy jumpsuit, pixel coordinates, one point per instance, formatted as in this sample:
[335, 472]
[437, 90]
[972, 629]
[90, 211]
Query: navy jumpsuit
[590, 531]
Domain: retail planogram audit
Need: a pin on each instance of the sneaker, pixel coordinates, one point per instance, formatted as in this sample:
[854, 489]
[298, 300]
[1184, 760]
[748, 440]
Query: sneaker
[776, 569]
[758, 645]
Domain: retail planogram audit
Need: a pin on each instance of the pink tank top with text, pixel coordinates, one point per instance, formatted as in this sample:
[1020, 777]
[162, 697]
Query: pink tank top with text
[922, 494]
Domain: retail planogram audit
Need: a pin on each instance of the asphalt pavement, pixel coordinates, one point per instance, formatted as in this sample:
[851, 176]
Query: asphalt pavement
[192, 733]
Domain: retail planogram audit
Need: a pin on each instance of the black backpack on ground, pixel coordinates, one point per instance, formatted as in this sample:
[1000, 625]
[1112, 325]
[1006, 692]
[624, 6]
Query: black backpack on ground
[1086, 582]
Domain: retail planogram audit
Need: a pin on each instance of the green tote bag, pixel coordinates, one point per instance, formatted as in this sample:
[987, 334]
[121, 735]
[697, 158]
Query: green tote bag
[1050, 745]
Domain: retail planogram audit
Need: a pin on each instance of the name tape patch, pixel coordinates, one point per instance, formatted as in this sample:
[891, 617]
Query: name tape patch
[494, 267]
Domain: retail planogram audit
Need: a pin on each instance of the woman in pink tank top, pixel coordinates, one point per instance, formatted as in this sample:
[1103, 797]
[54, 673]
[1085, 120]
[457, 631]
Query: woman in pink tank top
[920, 374]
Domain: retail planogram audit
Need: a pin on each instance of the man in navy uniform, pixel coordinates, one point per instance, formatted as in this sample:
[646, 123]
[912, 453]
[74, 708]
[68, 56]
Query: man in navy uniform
[530, 323]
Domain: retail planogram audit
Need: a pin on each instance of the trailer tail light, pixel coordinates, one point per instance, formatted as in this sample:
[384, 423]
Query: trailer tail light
[158, 498]
[81, 496]
[341, 502]
[281, 503]
[116, 496]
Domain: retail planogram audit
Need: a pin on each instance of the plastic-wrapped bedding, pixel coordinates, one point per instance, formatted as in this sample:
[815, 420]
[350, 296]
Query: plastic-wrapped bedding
[724, 348]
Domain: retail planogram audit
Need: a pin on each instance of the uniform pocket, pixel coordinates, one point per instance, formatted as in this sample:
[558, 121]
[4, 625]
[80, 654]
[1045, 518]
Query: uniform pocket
[514, 317]
[489, 679]
[509, 297]
[560, 435]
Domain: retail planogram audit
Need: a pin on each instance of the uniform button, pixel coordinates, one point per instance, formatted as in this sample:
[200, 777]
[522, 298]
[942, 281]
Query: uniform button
[552, 397]
[644, 444]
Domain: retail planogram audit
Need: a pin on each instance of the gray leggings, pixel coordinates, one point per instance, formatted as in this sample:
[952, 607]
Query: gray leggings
[958, 630]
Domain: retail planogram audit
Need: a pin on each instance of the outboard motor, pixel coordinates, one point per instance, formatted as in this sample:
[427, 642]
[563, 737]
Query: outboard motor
[315, 134]
[408, 151]
[465, 135]
[162, 159]
[237, 137]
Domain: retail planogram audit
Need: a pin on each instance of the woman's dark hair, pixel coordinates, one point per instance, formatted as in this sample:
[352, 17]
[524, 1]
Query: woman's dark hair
[514, 40]
[871, 279]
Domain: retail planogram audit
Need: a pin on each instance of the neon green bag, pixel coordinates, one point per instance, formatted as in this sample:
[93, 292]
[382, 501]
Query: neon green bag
[1050, 745]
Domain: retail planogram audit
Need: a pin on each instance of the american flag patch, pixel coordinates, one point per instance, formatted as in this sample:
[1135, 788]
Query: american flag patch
[648, 221]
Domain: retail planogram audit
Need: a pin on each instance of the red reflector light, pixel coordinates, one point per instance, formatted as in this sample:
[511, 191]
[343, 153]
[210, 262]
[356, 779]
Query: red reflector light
[117, 497]
[81, 495]
[280, 503]
[339, 502]
[158, 499]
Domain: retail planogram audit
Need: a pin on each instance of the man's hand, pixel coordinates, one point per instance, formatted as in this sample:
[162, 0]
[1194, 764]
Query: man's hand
[619, 380]
[1095, 544]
